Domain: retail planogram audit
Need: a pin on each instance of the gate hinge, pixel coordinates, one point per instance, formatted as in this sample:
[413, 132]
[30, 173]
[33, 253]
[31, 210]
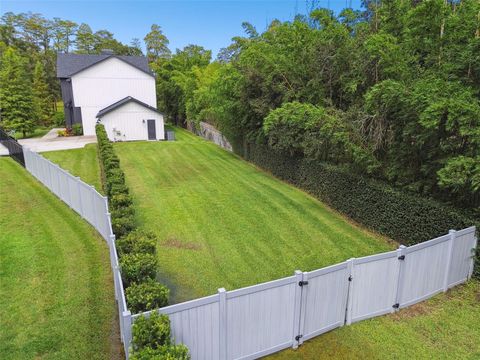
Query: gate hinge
[298, 337]
[302, 283]
[401, 257]
[350, 278]
[396, 306]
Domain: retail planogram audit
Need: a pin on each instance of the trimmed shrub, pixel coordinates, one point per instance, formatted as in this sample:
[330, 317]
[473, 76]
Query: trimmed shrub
[137, 242]
[145, 296]
[136, 268]
[173, 352]
[120, 200]
[121, 226]
[152, 332]
[77, 129]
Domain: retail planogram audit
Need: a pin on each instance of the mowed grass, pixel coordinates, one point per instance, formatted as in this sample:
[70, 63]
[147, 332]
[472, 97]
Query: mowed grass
[444, 327]
[221, 222]
[56, 290]
[79, 162]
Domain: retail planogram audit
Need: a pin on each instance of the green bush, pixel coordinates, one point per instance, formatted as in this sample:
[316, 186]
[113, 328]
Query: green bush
[145, 296]
[152, 332]
[120, 200]
[137, 242]
[173, 352]
[136, 268]
[402, 216]
[59, 119]
[122, 225]
[77, 129]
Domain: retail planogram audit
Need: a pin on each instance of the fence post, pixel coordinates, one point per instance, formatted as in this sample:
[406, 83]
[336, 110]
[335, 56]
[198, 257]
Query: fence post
[297, 308]
[453, 235]
[347, 294]
[222, 306]
[127, 331]
[303, 306]
[351, 267]
[474, 250]
[401, 263]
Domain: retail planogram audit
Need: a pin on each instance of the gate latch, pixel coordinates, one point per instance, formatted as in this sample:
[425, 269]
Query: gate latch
[396, 306]
[298, 337]
[302, 283]
[401, 257]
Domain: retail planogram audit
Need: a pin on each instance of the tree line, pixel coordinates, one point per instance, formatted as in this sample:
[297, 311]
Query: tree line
[390, 91]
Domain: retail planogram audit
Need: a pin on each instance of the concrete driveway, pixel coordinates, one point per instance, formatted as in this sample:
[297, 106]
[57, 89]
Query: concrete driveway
[51, 142]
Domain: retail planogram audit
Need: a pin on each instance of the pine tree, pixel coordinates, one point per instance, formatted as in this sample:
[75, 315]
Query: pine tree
[15, 94]
[42, 99]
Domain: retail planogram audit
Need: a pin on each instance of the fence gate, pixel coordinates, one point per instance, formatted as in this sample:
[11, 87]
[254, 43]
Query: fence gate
[324, 299]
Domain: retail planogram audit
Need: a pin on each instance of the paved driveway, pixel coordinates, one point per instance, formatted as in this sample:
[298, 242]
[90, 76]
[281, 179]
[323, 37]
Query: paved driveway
[51, 142]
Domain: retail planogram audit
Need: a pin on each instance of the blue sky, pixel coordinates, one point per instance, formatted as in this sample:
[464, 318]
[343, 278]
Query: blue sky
[208, 23]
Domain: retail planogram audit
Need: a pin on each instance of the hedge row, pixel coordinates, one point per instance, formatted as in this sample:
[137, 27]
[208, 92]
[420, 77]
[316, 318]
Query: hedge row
[404, 217]
[136, 249]
[152, 340]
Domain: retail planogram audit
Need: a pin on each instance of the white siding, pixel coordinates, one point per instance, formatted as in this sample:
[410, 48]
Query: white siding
[106, 83]
[128, 120]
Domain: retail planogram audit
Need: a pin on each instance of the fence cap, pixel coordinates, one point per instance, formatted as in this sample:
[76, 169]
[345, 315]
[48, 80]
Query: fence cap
[221, 290]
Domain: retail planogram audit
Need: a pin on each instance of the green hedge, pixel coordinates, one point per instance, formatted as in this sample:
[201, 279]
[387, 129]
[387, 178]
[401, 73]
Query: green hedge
[402, 216]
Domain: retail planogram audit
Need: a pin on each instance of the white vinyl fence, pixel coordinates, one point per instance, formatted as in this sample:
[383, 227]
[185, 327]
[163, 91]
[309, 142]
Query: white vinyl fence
[262, 319]
[259, 320]
[91, 206]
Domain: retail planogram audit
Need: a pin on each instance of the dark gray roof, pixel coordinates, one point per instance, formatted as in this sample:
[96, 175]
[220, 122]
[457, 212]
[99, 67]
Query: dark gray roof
[70, 64]
[123, 102]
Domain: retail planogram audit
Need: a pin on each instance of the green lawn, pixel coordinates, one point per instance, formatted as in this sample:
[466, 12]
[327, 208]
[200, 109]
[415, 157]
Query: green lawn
[223, 223]
[444, 327]
[80, 162]
[56, 290]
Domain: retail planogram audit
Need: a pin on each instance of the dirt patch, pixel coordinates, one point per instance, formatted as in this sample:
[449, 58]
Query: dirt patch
[412, 311]
[173, 242]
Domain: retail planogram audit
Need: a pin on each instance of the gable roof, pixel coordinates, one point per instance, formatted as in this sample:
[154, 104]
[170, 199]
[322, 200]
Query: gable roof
[122, 102]
[71, 64]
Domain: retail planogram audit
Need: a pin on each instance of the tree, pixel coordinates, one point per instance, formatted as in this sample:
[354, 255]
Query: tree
[135, 48]
[62, 31]
[157, 44]
[85, 40]
[42, 99]
[15, 94]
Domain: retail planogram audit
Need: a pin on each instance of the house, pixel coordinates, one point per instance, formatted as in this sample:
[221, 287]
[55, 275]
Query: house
[118, 91]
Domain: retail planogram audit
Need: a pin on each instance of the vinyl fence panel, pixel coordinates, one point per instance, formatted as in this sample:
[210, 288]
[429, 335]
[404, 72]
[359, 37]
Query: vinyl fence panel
[424, 270]
[260, 319]
[324, 300]
[462, 256]
[373, 286]
[197, 325]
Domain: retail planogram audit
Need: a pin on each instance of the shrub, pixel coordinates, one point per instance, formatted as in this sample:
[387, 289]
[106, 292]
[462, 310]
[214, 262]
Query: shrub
[59, 119]
[122, 225]
[137, 242]
[173, 352]
[77, 129]
[136, 268]
[145, 296]
[152, 332]
[120, 200]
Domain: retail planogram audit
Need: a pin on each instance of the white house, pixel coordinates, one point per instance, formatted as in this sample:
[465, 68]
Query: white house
[118, 91]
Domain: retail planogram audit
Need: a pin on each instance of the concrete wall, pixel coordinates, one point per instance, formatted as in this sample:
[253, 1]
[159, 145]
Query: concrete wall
[106, 83]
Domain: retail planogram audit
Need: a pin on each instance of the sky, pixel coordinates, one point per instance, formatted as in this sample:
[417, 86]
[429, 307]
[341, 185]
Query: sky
[211, 24]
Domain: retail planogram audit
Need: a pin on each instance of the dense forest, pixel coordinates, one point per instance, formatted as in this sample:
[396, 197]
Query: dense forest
[390, 91]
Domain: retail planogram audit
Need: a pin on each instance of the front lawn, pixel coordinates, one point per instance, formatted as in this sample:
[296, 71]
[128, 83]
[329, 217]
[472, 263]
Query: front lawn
[56, 290]
[221, 222]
